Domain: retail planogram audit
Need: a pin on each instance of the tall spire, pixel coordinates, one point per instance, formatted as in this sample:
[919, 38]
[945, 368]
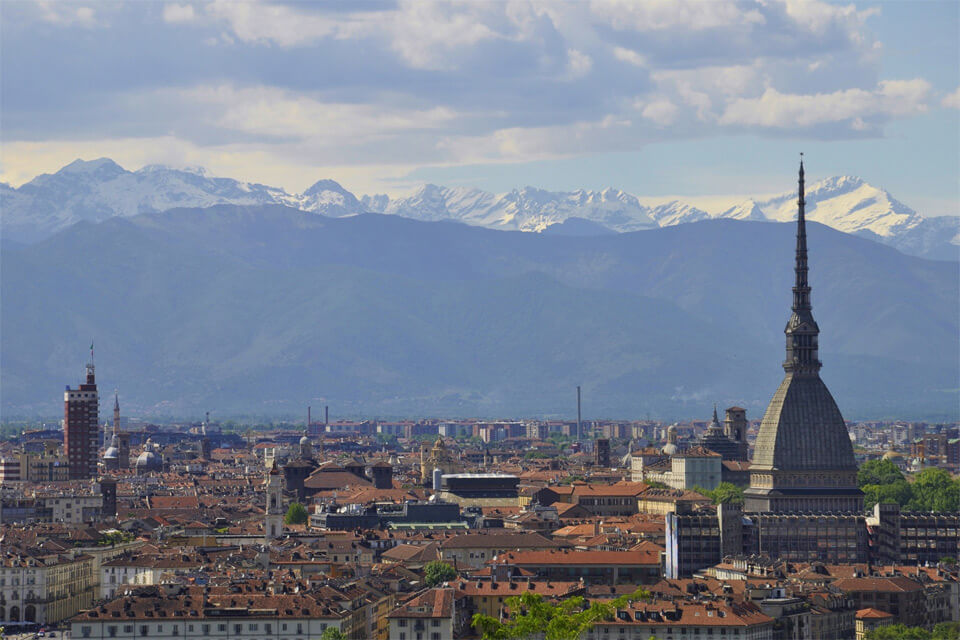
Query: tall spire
[802, 331]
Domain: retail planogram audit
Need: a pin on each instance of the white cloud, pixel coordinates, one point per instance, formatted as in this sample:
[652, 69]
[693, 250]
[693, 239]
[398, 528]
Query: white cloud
[630, 57]
[66, 13]
[951, 100]
[662, 15]
[276, 112]
[662, 112]
[578, 64]
[774, 109]
[178, 13]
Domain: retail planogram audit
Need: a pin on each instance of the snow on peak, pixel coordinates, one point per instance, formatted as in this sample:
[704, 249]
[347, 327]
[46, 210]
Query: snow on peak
[676, 212]
[100, 166]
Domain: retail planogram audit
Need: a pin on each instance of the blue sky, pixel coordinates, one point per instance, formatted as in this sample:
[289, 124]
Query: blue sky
[690, 98]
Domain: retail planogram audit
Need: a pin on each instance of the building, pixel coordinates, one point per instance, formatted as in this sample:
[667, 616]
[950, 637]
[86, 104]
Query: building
[273, 517]
[172, 612]
[869, 619]
[803, 459]
[730, 441]
[81, 434]
[439, 457]
[43, 586]
[641, 566]
[670, 619]
[474, 550]
[601, 452]
[693, 467]
[430, 615]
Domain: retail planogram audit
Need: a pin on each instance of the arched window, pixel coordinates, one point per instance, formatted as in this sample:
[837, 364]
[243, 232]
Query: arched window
[30, 613]
[3, 614]
[14, 614]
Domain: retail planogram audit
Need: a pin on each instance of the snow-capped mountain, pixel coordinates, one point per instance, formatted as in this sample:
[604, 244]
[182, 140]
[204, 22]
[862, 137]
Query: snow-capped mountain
[848, 204]
[526, 209]
[95, 190]
[676, 212]
[99, 189]
[747, 210]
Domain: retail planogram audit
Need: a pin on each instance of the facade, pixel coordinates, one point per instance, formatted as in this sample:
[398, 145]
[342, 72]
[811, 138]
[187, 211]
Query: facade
[45, 587]
[693, 467]
[601, 451]
[438, 457]
[803, 459]
[430, 615]
[81, 416]
[172, 612]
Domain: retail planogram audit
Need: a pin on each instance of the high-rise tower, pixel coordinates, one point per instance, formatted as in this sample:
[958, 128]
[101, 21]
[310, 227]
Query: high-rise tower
[803, 459]
[81, 415]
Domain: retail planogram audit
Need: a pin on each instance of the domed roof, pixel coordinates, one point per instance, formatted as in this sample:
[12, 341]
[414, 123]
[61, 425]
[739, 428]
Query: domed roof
[669, 449]
[149, 459]
[892, 455]
[111, 453]
[304, 440]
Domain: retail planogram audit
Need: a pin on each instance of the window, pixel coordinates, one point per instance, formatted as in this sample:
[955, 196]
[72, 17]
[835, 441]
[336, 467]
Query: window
[402, 622]
[85, 632]
[143, 630]
[221, 627]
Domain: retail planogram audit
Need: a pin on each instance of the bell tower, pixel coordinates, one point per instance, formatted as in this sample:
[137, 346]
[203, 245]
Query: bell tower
[273, 518]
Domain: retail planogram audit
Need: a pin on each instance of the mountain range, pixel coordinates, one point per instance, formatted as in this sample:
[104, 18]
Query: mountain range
[96, 190]
[266, 308]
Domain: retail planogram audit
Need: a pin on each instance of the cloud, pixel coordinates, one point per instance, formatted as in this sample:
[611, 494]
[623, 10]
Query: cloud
[178, 13]
[663, 15]
[951, 100]
[858, 106]
[629, 56]
[578, 63]
[662, 112]
[66, 13]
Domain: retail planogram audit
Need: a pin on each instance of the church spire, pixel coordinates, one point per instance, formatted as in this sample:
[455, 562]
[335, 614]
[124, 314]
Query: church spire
[802, 331]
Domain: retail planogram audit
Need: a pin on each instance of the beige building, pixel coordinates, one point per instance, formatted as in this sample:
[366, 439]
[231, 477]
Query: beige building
[45, 587]
[474, 550]
[427, 616]
[694, 467]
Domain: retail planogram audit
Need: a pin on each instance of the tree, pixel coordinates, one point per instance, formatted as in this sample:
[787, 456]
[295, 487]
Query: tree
[726, 492]
[878, 472]
[296, 514]
[934, 490]
[438, 572]
[531, 615]
[332, 633]
[898, 632]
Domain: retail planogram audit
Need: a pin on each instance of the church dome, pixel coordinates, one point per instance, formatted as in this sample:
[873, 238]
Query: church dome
[892, 455]
[304, 440]
[111, 453]
[149, 460]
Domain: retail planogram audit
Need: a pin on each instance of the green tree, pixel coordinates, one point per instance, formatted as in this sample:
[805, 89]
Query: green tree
[934, 490]
[296, 514]
[332, 633]
[724, 493]
[878, 472]
[531, 615]
[437, 572]
[946, 631]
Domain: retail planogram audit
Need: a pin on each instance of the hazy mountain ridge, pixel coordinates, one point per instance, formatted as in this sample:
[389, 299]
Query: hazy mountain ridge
[96, 190]
[267, 308]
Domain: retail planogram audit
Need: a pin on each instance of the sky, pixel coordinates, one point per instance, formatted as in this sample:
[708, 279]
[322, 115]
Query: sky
[674, 97]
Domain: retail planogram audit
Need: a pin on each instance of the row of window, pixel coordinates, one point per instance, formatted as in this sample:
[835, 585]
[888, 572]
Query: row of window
[144, 630]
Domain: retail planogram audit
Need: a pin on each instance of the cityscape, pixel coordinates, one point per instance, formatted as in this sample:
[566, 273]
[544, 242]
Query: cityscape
[569, 414]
